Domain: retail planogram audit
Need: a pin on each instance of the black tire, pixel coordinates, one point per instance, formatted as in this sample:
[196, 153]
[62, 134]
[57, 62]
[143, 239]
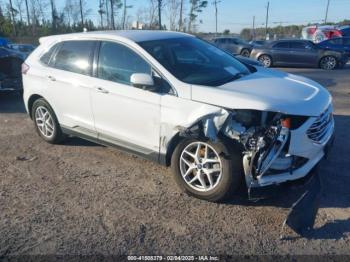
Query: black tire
[231, 172]
[328, 62]
[265, 60]
[57, 134]
[245, 52]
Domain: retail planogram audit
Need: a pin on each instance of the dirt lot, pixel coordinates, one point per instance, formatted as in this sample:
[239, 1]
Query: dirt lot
[82, 198]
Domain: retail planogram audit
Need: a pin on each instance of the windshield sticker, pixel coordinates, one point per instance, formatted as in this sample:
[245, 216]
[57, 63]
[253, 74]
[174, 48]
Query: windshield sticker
[232, 70]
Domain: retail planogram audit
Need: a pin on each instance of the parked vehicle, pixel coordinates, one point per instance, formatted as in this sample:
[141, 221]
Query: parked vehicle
[23, 49]
[298, 53]
[182, 102]
[10, 71]
[247, 60]
[233, 45]
[341, 44]
[4, 42]
[318, 33]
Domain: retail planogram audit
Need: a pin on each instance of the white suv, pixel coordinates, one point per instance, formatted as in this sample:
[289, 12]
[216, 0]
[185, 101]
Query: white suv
[180, 101]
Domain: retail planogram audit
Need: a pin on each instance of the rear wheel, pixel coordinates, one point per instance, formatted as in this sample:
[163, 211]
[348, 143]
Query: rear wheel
[206, 170]
[245, 52]
[265, 60]
[46, 123]
[328, 63]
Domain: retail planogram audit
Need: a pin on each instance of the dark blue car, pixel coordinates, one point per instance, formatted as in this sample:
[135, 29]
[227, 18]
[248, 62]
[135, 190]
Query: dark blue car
[338, 44]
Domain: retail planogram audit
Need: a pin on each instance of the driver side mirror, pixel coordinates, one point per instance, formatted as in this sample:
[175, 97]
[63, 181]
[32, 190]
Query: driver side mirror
[143, 81]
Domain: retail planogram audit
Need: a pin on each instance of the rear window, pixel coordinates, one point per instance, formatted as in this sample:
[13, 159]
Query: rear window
[75, 56]
[298, 45]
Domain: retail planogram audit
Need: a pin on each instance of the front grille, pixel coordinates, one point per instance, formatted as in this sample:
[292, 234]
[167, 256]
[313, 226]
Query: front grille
[319, 130]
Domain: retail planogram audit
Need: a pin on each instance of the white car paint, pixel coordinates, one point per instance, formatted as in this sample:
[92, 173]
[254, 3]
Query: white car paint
[118, 113]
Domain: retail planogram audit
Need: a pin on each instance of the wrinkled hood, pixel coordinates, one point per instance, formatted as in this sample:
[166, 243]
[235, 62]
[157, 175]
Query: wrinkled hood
[268, 90]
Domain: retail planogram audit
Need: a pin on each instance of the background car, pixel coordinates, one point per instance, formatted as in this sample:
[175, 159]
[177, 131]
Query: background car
[298, 53]
[233, 45]
[10, 71]
[4, 42]
[258, 42]
[318, 34]
[341, 44]
[24, 49]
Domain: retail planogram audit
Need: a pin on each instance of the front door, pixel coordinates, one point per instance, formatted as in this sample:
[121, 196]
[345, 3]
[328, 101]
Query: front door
[124, 115]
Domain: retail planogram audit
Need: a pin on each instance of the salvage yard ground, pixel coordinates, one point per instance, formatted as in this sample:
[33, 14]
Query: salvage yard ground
[83, 198]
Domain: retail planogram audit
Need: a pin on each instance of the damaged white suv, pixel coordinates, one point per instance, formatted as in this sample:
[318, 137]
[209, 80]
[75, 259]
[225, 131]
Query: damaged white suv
[180, 101]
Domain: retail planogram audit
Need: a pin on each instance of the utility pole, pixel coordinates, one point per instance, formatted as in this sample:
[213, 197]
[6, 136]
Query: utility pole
[254, 27]
[13, 19]
[124, 15]
[216, 15]
[160, 13]
[267, 18]
[325, 19]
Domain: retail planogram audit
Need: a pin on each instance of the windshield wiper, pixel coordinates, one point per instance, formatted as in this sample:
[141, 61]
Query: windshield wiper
[226, 80]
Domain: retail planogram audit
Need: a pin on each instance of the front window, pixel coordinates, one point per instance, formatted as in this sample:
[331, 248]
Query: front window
[194, 61]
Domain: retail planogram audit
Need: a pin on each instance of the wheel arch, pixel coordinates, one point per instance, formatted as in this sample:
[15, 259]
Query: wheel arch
[31, 101]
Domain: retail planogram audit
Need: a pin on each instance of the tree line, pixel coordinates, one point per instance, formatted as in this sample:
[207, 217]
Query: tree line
[20, 18]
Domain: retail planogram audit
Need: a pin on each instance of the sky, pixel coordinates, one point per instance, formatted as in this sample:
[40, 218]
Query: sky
[237, 14]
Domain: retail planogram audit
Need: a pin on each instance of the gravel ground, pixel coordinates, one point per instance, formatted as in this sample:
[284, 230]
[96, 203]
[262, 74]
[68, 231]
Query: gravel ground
[82, 198]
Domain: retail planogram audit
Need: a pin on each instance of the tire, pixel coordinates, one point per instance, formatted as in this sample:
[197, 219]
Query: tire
[226, 172]
[328, 63]
[265, 60]
[245, 52]
[46, 123]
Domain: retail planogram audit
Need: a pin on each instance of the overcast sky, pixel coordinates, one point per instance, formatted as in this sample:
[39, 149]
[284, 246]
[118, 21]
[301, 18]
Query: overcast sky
[237, 14]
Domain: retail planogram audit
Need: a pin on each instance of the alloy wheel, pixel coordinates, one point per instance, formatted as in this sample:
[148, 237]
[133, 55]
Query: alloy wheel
[265, 60]
[200, 166]
[328, 63]
[44, 122]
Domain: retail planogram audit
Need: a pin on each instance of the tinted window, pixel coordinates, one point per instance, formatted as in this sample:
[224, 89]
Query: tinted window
[75, 56]
[117, 63]
[346, 41]
[194, 61]
[47, 56]
[298, 45]
[281, 45]
[337, 41]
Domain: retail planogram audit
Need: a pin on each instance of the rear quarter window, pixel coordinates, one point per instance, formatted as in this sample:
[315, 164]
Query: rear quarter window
[46, 57]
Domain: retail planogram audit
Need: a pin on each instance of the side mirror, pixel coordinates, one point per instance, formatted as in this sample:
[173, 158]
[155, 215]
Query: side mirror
[143, 81]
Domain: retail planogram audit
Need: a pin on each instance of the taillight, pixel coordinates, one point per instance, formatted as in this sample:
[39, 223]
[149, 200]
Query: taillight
[25, 68]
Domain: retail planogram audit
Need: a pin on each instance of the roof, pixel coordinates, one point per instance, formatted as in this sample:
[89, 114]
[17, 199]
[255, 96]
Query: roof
[133, 35]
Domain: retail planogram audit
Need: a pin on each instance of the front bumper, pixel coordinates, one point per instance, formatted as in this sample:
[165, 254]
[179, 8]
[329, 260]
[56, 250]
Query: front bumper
[300, 146]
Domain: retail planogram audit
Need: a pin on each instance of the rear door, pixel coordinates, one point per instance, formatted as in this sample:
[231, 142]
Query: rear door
[69, 83]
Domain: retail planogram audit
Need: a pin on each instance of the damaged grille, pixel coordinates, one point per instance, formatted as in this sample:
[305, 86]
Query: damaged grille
[319, 129]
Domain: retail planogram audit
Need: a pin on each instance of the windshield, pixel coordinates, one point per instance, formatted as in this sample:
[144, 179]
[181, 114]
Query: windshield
[195, 61]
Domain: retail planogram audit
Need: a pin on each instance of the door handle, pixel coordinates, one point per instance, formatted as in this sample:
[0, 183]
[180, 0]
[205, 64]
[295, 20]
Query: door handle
[51, 78]
[102, 90]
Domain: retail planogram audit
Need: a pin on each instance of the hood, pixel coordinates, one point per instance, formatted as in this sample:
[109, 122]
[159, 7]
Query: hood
[268, 90]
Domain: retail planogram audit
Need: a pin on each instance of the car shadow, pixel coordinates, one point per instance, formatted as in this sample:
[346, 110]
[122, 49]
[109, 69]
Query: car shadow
[11, 103]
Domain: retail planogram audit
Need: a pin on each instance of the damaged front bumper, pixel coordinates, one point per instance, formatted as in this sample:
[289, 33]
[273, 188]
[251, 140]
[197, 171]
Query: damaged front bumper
[307, 146]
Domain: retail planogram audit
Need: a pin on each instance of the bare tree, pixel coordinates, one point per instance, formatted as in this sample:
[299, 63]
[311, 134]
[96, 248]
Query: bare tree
[19, 8]
[27, 10]
[81, 12]
[160, 8]
[152, 10]
[13, 21]
[101, 12]
[124, 13]
[115, 6]
[181, 14]
[53, 14]
[196, 6]
[173, 10]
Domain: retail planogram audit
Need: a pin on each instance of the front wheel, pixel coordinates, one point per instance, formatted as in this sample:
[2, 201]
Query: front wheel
[206, 170]
[328, 63]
